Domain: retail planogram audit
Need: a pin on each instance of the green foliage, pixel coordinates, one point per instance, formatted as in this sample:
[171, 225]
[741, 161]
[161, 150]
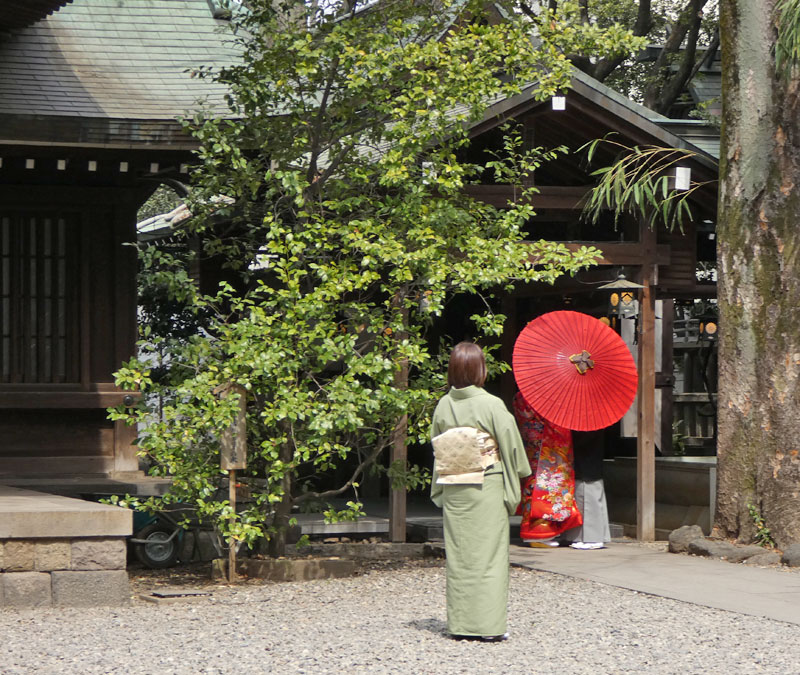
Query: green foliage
[678, 438]
[763, 535]
[787, 45]
[333, 196]
[565, 24]
[655, 69]
[704, 111]
[640, 183]
[412, 477]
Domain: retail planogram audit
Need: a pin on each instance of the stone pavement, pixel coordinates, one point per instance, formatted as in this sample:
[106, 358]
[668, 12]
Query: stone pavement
[768, 592]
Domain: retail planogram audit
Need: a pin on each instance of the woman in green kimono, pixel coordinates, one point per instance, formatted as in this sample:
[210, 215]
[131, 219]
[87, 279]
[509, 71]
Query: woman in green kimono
[476, 505]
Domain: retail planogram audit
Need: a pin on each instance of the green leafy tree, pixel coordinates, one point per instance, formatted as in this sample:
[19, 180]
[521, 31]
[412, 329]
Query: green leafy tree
[682, 36]
[332, 195]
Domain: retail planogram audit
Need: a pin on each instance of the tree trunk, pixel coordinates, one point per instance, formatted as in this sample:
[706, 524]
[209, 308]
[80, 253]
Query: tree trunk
[759, 281]
[399, 451]
[283, 509]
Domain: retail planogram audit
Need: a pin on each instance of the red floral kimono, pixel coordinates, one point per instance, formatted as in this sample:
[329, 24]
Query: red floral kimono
[548, 495]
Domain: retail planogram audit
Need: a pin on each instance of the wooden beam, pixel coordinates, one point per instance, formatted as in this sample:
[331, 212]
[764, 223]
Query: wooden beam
[645, 445]
[72, 400]
[549, 197]
[691, 292]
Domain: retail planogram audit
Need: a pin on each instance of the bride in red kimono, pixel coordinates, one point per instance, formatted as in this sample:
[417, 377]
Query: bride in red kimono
[548, 495]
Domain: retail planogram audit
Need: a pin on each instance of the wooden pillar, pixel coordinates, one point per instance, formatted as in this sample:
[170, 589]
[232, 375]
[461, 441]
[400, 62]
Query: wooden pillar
[125, 296]
[645, 446]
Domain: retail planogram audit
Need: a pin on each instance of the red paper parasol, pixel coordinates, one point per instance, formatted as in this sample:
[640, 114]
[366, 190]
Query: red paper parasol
[574, 370]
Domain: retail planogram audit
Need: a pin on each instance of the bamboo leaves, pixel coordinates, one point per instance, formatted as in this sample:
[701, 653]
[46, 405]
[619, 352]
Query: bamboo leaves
[640, 182]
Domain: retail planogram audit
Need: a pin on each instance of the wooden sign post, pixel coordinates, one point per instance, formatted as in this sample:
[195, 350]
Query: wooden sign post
[233, 456]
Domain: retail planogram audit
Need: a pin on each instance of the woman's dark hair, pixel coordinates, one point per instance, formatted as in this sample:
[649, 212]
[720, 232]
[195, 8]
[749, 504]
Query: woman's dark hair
[467, 366]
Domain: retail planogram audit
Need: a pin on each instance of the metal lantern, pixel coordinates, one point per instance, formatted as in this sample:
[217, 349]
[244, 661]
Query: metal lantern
[708, 328]
[622, 299]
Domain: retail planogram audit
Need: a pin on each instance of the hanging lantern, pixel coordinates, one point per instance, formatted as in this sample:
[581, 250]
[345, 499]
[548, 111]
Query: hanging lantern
[622, 299]
[683, 178]
[708, 328]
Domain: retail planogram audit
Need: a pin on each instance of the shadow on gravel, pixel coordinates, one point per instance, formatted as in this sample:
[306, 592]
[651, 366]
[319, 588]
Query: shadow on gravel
[435, 626]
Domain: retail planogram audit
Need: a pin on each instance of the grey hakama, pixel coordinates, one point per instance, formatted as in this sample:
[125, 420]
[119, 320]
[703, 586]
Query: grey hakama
[590, 498]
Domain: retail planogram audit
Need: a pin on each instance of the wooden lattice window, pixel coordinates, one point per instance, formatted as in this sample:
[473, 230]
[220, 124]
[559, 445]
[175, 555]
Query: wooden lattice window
[38, 299]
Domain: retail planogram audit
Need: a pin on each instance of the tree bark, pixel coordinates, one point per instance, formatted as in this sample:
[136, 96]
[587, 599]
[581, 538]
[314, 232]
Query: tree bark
[283, 509]
[759, 281]
[399, 451]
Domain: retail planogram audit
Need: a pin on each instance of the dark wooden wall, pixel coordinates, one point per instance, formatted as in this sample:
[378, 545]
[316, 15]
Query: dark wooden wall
[68, 311]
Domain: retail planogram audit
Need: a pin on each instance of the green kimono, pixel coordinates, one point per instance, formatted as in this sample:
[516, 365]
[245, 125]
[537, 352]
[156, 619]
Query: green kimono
[476, 528]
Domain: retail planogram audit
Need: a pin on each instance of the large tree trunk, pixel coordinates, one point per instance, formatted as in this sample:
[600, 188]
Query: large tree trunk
[759, 281]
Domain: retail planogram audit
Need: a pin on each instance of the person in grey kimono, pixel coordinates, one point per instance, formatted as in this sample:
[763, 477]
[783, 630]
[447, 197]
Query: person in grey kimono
[590, 494]
[477, 498]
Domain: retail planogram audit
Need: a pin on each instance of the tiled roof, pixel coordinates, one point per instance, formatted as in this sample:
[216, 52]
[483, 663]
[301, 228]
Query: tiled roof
[120, 60]
[660, 128]
[15, 14]
[706, 87]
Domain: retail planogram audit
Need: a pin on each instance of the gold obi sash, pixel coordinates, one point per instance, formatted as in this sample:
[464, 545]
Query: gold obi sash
[462, 455]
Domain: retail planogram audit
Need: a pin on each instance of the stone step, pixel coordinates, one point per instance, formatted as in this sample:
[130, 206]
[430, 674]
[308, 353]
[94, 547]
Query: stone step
[26, 514]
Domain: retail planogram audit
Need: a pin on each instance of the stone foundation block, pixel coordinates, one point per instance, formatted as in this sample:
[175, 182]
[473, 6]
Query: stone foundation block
[18, 556]
[52, 554]
[25, 589]
[293, 570]
[91, 588]
[98, 554]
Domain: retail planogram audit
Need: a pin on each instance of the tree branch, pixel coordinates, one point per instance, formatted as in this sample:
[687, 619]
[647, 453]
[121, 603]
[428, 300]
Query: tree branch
[665, 88]
[644, 22]
[583, 6]
[321, 111]
[370, 459]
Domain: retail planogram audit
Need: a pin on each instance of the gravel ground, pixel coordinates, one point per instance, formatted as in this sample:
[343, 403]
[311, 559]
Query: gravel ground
[391, 619]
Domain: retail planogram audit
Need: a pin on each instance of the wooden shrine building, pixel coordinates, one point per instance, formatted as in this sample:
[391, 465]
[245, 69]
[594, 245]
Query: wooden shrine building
[90, 93]
[90, 97]
[665, 262]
